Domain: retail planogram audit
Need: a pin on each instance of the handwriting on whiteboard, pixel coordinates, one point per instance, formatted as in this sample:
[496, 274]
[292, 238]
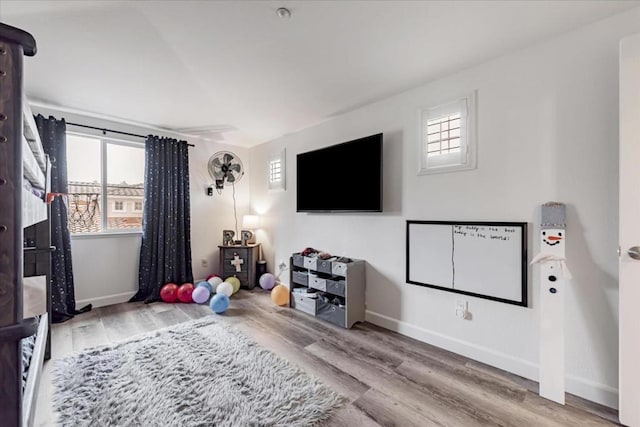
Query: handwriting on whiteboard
[484, 232]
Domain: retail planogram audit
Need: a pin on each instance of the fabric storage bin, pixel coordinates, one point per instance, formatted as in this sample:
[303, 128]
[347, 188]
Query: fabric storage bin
[301, 277]
[318, 283]
[339, 269]
[331, 313]
[310, 263]
[298, 260]
[304, 303]
[336, 287]
[323, 266]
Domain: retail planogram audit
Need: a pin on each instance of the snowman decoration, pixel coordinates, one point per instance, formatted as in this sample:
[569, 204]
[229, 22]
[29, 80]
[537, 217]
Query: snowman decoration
[552, 246]
[554, 275]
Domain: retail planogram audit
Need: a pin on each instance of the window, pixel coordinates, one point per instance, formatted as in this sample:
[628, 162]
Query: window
[277, 171]
[447, 136]
[104, 172]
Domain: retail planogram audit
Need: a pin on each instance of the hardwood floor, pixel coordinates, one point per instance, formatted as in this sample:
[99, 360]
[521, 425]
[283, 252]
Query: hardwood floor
[389, 379]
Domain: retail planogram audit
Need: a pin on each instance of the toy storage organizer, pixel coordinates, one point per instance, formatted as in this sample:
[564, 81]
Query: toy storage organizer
[328, 289]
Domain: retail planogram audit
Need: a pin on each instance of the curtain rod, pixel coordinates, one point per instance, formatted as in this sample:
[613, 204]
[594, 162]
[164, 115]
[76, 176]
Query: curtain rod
[104, 131]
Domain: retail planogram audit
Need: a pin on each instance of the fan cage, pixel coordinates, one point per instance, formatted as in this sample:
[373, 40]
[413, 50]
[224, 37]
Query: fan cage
[225, 167]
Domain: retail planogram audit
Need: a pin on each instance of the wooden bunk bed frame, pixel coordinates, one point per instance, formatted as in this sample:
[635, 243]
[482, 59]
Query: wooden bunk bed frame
[23, 217]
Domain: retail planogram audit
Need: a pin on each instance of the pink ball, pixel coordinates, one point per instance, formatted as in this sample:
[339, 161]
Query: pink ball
[200, 295]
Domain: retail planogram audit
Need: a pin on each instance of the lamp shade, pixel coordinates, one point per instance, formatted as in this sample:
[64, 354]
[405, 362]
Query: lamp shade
[250, 222]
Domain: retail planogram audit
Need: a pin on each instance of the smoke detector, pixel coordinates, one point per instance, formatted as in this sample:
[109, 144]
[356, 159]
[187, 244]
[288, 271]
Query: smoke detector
[283, 13]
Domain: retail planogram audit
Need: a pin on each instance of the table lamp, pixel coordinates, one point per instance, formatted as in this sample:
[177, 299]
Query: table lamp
[249, 223]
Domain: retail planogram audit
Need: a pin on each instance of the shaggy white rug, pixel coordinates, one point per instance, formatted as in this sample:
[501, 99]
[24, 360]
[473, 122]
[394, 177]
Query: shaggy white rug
[198, 373]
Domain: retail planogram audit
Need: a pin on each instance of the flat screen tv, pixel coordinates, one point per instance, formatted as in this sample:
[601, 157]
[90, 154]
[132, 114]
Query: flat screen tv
[344, 177]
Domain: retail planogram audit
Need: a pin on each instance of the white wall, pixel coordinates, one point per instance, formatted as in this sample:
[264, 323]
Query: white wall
[106, 266]
[547, 131]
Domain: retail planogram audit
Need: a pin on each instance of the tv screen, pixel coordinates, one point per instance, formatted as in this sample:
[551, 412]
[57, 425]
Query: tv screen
[345, 177]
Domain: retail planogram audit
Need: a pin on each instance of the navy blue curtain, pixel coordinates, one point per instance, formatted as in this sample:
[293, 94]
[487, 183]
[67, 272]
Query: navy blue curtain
[165, 255]
[63, 303]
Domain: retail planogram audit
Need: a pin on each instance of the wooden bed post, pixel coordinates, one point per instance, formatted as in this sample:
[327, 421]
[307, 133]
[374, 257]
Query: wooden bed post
[14, 44]
[10, 231]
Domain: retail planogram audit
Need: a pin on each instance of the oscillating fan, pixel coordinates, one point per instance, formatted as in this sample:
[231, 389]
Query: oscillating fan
[225, 167]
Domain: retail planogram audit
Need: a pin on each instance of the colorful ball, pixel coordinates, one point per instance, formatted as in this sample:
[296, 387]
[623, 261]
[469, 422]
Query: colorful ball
[211, 276]
[200, 294]
[267, 281]
[280, 295]
[219, 303]
[185, 291]
[214, 282]
[205, 285]
[235, 282]
[225, 288]
[169, 292]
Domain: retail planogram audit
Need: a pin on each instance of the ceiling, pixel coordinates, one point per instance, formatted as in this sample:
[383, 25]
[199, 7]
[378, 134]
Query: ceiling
[194, 64]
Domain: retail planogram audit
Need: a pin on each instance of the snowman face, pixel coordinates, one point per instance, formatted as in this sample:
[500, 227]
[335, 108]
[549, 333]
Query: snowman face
[553, 237]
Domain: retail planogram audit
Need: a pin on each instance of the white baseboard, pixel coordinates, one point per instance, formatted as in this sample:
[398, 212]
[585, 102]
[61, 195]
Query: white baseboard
[593, 391]
[582, 387]
[106, 300]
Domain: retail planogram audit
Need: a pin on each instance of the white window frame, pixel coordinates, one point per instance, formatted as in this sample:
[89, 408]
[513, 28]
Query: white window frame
[280, 184]
[450, 162]
[115, 206]
[104, 140]
[136, 209]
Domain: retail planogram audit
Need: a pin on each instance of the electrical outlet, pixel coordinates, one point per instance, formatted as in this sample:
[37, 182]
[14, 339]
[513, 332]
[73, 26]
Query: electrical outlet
[204, 263]
[462, 309]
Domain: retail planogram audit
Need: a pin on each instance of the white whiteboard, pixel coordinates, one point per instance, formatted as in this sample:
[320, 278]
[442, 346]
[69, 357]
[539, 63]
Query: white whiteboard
[483, 259]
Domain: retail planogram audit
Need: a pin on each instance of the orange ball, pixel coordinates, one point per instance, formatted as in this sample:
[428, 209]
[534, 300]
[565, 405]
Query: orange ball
[280, 295]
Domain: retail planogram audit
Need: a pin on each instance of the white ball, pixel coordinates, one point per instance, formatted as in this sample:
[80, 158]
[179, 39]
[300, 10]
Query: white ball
[225, 288]
[214, 282]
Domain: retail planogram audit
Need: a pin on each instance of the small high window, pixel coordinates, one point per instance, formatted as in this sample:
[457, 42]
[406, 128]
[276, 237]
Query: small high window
[118, 206]
[277, 171]
[447, 136]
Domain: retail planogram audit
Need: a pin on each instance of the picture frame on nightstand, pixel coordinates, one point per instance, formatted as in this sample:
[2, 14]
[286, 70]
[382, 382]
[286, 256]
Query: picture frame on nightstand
[227, 237]
[247, 237]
